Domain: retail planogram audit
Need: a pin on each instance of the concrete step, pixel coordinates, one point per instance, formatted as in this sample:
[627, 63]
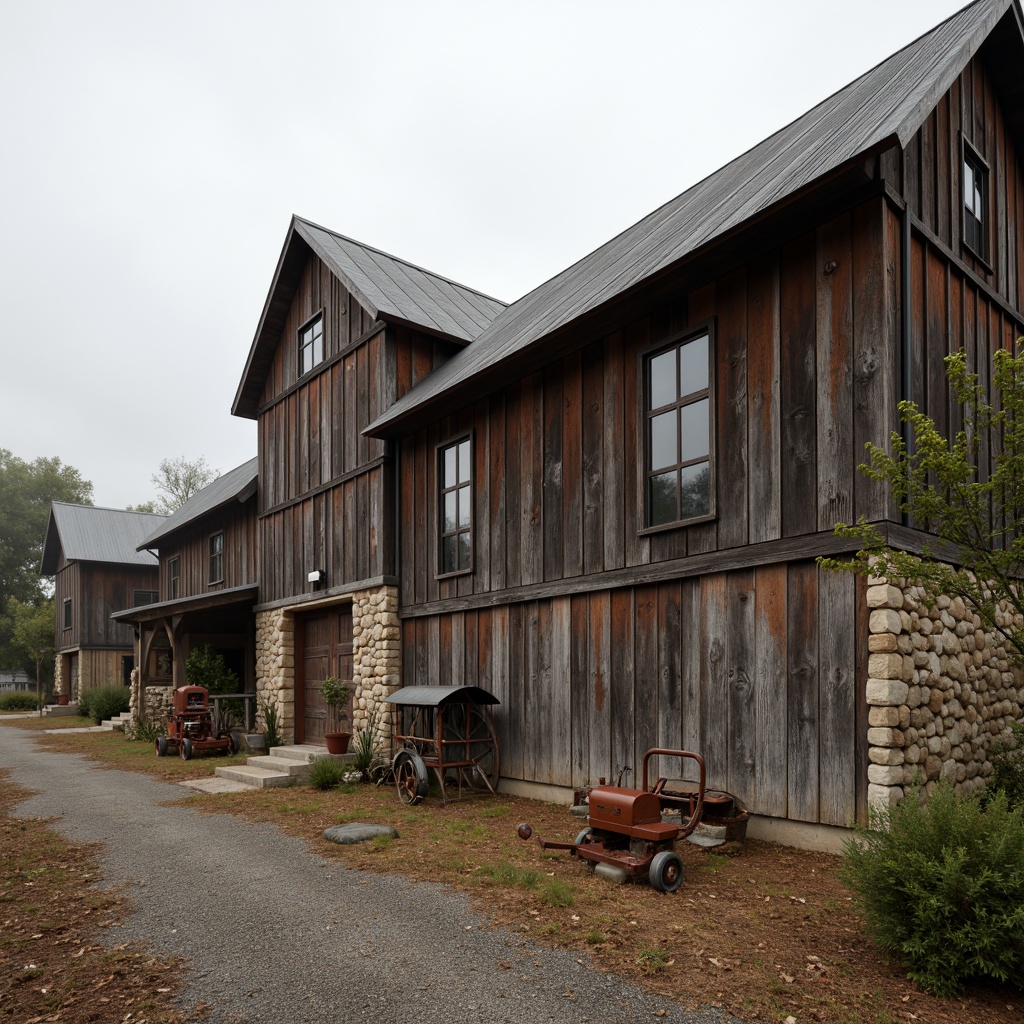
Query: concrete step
[256, 778]
[305, 753]
[57, 710]
[118, 722]
[289, 765]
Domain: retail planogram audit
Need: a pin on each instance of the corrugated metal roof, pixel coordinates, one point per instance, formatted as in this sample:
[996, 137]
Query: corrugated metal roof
[236, 485]
[884, 106]
[390, 289]
[86, 533]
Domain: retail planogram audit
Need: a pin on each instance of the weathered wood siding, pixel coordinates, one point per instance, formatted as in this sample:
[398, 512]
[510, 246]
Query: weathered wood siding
[192, 547]
[97, 590]
[756, 669]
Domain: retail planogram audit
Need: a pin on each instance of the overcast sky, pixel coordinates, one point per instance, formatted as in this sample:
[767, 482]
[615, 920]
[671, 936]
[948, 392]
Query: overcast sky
[153, 153]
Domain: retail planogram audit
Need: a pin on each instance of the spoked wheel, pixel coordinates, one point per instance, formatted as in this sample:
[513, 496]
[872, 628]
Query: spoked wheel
[480, 743]
[185, 748]
[666, 872]
[161, 746]
[410, 777]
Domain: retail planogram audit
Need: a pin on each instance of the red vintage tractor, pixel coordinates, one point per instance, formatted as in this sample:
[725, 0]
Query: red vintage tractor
[190, 726]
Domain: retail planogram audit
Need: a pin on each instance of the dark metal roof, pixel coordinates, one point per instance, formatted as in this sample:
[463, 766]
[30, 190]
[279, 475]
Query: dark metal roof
[883, 107]
[245, 594]
[441, 696]
[86, 533]
[390, 289]
[237, 485]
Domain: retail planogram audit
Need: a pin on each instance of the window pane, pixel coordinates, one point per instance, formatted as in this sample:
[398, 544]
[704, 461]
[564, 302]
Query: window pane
[693, 430]
[662, 379]
[693, 365]
[463, 462]
[968, 181]
[663, 499]
[694, 492]
[449, 467]
[663, 440]
[318, 349]
[448, 563]
[464, 550]
[465, 494]
[449, 512]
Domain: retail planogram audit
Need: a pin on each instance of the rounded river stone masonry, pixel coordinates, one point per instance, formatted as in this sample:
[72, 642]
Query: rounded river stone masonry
[376, 660]
[940, 690]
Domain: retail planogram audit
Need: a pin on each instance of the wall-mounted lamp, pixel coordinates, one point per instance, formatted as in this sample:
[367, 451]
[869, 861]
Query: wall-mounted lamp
[316, 577]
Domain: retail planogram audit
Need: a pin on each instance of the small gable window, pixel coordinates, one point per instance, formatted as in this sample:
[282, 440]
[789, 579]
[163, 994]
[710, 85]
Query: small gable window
[975, 202]
[311, 344]
[678, 404]
[217, 558]
[455, 507]
[67, 612]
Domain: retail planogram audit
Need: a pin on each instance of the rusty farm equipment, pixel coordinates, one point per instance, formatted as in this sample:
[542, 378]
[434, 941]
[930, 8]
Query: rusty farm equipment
[190, 726]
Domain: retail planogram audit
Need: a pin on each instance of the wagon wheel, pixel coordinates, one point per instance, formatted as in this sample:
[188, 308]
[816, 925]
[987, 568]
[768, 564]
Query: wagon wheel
[666, 872]
[161, 746]
[185, 748]
[483, 747]
[410, 777]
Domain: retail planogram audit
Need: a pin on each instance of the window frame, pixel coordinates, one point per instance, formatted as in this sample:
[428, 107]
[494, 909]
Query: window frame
[318, 317]
[217, 555]
[970, 154]
[439, 492]
[644, 411]
[135, 597]
[68, 615]
[174, 577]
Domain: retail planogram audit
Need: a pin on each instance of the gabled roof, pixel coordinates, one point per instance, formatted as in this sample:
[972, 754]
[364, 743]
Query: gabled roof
[389, 288]
[86, 533]
[883, 107]
[237, 485]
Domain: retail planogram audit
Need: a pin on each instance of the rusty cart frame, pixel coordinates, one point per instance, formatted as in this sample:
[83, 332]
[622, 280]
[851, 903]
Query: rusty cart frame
[447, 730]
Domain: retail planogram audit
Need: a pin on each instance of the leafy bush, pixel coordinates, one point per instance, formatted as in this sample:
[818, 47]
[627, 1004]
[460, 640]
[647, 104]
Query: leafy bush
[327, 773]
[1008, 768]
[104, 702]
[144, 731]
[205, 667]
[19, 700]
[365, 747]
[942, 886]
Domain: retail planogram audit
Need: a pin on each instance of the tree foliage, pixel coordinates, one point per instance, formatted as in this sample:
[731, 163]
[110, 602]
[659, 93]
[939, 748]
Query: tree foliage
[176, 481]
[967, 492]
[26, 491]
[31, 636]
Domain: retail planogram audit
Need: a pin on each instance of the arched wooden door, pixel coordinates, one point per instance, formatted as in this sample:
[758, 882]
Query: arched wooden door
[324, 648]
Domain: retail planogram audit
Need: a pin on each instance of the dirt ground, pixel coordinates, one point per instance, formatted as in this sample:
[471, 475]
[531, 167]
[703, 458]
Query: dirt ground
[769, 933]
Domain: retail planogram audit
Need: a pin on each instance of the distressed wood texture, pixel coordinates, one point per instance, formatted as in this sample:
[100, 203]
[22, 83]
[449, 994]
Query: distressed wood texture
[753, 669]
[96, 591]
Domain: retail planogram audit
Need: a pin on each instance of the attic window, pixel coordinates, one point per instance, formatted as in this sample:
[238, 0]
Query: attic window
[67, 612]
[311, 344]
[975, 202]
[217, 558]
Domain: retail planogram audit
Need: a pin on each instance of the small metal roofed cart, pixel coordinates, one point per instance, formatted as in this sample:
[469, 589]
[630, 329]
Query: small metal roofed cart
[448, 730]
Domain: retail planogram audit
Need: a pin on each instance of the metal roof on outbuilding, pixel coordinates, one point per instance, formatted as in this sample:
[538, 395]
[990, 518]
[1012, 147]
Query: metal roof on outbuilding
[86, 533]
[883, 107]
[238, 484]
[391, 289]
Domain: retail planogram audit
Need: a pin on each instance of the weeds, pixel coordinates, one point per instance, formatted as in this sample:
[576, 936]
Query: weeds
[652, 959]
[327, 773]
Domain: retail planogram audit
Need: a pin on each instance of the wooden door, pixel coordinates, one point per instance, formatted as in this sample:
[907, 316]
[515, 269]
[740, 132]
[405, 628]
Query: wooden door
[325, 649]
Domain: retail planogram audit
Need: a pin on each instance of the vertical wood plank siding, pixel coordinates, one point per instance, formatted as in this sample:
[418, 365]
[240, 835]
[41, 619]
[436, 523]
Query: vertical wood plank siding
[97, 590]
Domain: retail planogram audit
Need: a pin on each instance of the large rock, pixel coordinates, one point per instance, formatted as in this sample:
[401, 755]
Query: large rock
[357, 832]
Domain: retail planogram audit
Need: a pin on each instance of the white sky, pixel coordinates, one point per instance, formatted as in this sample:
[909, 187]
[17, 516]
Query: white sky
[152, 153]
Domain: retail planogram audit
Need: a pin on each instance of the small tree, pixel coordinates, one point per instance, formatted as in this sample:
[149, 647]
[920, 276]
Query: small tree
[978, 553]
[32, 635]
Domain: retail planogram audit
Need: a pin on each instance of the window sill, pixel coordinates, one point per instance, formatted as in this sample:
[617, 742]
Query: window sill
[678, 525]
[453, 575]
[969, 250]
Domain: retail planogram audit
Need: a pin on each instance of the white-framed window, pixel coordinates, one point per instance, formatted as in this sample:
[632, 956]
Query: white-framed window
[455, 506]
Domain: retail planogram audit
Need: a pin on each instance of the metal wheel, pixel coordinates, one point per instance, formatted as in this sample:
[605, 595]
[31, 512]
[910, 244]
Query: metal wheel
[233, 744]
[185, 748]
[161, 746]
[482, 747]
[582, 837]
[666, 872]
[410, 777]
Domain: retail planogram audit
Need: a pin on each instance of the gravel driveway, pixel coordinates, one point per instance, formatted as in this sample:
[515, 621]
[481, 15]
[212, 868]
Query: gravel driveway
[275, 933]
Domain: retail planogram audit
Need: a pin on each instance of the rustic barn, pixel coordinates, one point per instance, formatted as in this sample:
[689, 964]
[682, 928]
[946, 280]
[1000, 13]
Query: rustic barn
[208, 564]
[92, 553]
[610, 502]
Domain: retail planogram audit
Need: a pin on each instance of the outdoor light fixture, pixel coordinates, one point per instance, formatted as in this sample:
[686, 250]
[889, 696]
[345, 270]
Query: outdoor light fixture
[317, 576]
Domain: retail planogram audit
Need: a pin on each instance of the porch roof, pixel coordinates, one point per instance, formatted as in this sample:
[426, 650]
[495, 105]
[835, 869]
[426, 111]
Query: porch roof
[162, 609]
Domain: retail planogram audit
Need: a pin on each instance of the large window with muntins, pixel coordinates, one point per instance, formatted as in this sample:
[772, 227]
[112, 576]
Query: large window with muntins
[217, 558]
[975, 201]
[311, 344]
[455, 507]
[678, 439]
[174, 577]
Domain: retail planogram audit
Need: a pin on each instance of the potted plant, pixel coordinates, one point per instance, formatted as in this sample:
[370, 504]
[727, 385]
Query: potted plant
[335, 694]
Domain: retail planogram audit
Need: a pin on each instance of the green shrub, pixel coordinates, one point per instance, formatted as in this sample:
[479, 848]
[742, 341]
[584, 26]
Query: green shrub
[205, 667]
[271, 724]
[19, 700]
[1008, 768]
[105, 702]
[941, 885]
[327, 773]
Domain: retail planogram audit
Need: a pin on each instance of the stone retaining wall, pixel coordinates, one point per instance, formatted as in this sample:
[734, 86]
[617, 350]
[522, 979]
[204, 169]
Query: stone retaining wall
[376, 658]
[940, 689]
[158, 700]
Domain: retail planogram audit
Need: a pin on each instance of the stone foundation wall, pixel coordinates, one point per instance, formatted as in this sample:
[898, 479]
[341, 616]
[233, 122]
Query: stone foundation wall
[940, 689]
[376, 659]
[158, 700]
[58, 675]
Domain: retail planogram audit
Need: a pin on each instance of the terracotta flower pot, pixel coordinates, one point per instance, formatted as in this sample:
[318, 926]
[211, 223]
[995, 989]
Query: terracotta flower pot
[62, 699]
[337, 742]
